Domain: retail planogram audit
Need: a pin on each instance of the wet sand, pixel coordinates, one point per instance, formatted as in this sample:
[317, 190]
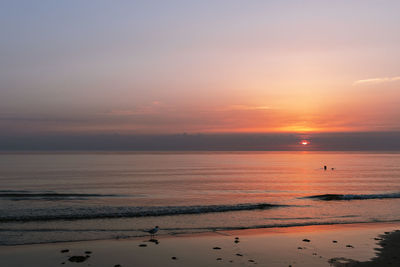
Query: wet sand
[330, 245]
[387, 253]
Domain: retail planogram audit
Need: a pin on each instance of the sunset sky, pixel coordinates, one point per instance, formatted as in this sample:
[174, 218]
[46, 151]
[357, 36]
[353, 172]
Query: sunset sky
[162, 67]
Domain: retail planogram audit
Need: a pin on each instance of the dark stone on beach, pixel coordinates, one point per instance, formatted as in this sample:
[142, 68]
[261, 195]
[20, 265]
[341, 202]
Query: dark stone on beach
[117, 265]
[64, 250]
[377, 238]
[387, 233]
[306, 240]
[236, 237]
[88, 252]
[299, 248]
[219, 259]
[78, 258]
[174, 258]
[62, 262]
[334, 241]
[237, 241]
[238, 254]
[216, 248]
[349, 246]
[155, 241]
[142, 245]
[251, 261]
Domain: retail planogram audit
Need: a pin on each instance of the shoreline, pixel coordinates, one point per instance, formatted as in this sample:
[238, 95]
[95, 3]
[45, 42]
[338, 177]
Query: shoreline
[221, 231]
[281, 246]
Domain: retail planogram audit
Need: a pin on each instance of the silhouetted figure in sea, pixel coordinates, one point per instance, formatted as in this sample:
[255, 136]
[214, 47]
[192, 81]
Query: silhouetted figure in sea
[325, 168]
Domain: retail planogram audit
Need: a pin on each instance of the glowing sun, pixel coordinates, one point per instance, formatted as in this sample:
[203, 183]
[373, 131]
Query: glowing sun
[304, 142]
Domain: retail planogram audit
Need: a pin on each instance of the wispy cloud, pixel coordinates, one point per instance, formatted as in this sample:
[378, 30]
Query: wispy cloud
[377, 80]
[152, 108]
[245, 107]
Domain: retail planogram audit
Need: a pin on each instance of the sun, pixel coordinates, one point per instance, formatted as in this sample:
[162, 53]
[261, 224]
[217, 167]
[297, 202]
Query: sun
[304, 142]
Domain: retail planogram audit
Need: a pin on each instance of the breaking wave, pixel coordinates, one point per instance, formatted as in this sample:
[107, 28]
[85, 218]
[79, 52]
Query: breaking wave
[47, 195]
[124, 212]
[328, 197]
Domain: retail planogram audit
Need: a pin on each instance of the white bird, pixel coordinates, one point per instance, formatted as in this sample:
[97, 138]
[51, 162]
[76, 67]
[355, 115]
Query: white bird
[153, 231]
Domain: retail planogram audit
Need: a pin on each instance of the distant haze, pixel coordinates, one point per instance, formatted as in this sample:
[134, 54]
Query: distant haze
[231, 74]
[389, 141]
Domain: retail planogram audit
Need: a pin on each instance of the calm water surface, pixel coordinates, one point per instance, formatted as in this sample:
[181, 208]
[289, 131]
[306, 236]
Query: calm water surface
[84, 196]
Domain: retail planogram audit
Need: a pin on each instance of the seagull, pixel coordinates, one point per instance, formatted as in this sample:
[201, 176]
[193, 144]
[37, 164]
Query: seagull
[153, 231]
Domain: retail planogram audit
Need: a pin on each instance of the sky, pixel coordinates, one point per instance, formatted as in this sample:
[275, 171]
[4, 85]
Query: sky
[199, 67]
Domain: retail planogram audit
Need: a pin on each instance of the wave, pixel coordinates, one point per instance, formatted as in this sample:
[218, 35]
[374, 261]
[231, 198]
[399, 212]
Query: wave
[47, 195]
[125, 212]
[329, 197]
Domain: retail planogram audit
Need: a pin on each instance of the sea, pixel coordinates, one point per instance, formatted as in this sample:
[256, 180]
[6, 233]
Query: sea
[75, 196]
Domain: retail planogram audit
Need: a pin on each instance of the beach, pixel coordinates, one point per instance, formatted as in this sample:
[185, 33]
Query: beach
[323, 245]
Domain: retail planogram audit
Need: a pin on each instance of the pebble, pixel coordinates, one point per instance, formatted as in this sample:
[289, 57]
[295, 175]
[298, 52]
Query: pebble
[306, 240]
[216, 248]
[142, 245]
[64, 250]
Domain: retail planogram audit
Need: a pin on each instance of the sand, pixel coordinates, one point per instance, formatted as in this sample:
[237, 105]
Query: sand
[331, 245]
[387, 253]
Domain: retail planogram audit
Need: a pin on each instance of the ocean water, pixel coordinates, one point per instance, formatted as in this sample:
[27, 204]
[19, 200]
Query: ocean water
[53, 197]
